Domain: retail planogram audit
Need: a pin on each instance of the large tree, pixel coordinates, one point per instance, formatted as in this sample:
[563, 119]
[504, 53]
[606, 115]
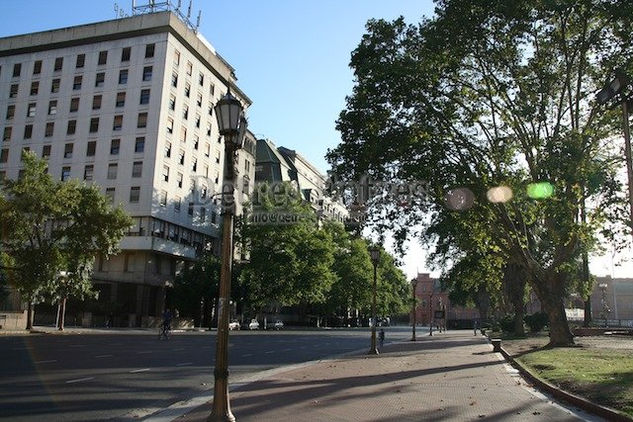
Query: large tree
[494, 94]
[52, 232]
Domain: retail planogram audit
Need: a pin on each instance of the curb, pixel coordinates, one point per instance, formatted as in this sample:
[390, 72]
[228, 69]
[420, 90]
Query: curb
[581, 402]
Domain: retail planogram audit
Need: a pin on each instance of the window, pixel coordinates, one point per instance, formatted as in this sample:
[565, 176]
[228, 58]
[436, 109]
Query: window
[77, 82]
[183, 134]
[30, 110]
[166, 173]
[185, 111]
[181, 157]
[112, 171]
[179, 180]
[74, 104]
[190, 209]
[117, 123]
[144, 96]
[114, 146]
[81, 59]
[172, 102]
[207, 149]
[4, 155]
[17, 68]
[35, 87]
[199, 100]
[212, 89]
[28, 131]
[72, 127]
[205, 170]
[189, 68]
[197, 120]
[135, 194]
[176, 58]
[52, 107]
[139, 144]
[123, 76]
[125, 54]
[46, 151]
[174, 79]
[59, 63]
[120, 99]
[203, 214]
[177, 202]
[37, 67]
[68, 151]
[142, 120]
[187, 90]
[103, 58]
[170, 125]
[163, 198]
[196, 142]
[201, 79]
[89, 172]
[10, 112]
[194, 165]
[50, 127]
[137, 169]
[167, 149]
[94, 124]
[55, 86]
[13, 91]
[96, 102]
[91, 149]
[100, 79]
[149, 51]
[25, 150]
[109, 193]
[217, 156]
[6, 134]
[65, 173]
[147, 73]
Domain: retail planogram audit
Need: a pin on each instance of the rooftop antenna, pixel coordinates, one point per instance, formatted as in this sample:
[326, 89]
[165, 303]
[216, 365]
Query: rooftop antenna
[189, 9]
[198, 20]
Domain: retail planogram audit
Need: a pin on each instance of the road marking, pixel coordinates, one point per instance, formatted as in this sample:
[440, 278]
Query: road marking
[184, 364]
[139, 370]
[247, 355]
[103, 356]
[270, 351]
[46, 361]
[144, 352]
[80, 380]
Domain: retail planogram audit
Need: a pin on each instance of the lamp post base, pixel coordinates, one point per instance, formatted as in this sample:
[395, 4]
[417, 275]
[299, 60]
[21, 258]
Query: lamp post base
[373, 352]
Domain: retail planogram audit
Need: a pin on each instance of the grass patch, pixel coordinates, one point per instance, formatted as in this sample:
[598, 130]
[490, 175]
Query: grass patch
[604, 376]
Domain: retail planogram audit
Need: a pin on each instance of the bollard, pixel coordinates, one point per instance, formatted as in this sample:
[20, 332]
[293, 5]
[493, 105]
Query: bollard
[496, 344]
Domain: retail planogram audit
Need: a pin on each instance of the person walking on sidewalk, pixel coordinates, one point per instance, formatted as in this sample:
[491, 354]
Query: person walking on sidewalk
[475, 326]
[381, 338]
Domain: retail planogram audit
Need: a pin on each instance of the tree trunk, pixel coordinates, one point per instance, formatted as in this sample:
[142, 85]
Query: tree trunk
[514, 281]
[559, 332]
[57, 316]
[29, 316]
[519, 314]
[62, 313]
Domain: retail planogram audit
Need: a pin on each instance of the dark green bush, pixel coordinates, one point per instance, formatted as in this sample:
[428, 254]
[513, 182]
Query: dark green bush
[536, 321]
[507, 324]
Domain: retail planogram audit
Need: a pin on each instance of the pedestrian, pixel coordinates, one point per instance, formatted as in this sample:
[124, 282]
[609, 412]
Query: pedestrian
[475, 326]
[381, 337]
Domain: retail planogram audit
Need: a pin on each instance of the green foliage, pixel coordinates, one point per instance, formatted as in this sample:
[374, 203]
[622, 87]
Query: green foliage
[506, 323]
[197, 281]
[537, 321]
[52, 227]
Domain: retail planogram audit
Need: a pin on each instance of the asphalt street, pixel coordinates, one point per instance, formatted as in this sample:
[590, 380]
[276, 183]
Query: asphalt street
[125, 376]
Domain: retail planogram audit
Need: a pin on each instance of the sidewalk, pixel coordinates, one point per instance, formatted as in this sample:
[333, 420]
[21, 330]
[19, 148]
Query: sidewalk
[449, 377]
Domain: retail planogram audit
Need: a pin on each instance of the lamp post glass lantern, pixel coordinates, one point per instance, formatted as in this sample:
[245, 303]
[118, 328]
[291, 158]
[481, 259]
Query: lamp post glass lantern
[232, 126]
[375, 258]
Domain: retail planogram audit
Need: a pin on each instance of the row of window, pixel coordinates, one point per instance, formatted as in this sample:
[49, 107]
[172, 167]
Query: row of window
[80, 60]
[71, 127]
[99, 82]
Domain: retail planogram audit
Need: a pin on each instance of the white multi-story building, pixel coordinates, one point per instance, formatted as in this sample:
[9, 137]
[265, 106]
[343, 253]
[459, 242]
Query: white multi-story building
[127, 104]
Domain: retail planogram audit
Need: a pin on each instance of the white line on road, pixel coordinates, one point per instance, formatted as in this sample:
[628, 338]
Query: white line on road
[139, 370]
[184, 364]
[103, 356]
[80, 380]
[46, 361]
[270, 351]
[247, 355]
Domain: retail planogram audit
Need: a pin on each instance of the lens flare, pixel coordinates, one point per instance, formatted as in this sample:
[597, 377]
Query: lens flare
[459, 199]
[541, 190]
[499, 194]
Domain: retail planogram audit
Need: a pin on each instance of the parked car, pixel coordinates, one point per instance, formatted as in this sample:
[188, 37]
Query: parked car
[253, 325]
[277, 325]
[234, 325]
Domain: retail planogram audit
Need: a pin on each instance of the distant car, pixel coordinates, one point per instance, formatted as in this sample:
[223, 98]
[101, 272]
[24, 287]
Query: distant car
[277, 325]
[254, 325]
[234, 325]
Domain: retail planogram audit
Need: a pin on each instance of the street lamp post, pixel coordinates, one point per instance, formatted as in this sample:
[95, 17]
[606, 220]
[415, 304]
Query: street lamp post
[232, 125]
[605, 304]
[414, 284]
[431, 312]
[375, 258]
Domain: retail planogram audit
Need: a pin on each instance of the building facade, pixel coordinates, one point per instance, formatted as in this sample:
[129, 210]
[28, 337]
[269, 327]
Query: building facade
[127, 105]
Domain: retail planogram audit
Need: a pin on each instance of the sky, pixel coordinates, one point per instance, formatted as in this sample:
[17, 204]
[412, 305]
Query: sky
[291, 57]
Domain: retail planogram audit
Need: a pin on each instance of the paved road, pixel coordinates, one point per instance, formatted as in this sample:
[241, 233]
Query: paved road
[91, 377]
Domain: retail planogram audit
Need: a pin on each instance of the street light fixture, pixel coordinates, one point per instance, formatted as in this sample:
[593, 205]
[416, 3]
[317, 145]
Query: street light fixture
[611, 90]
[374, 251]
[232, 126]
[414, 284]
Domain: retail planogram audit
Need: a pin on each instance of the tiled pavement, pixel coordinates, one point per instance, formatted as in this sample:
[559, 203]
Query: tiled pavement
[453, 376]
